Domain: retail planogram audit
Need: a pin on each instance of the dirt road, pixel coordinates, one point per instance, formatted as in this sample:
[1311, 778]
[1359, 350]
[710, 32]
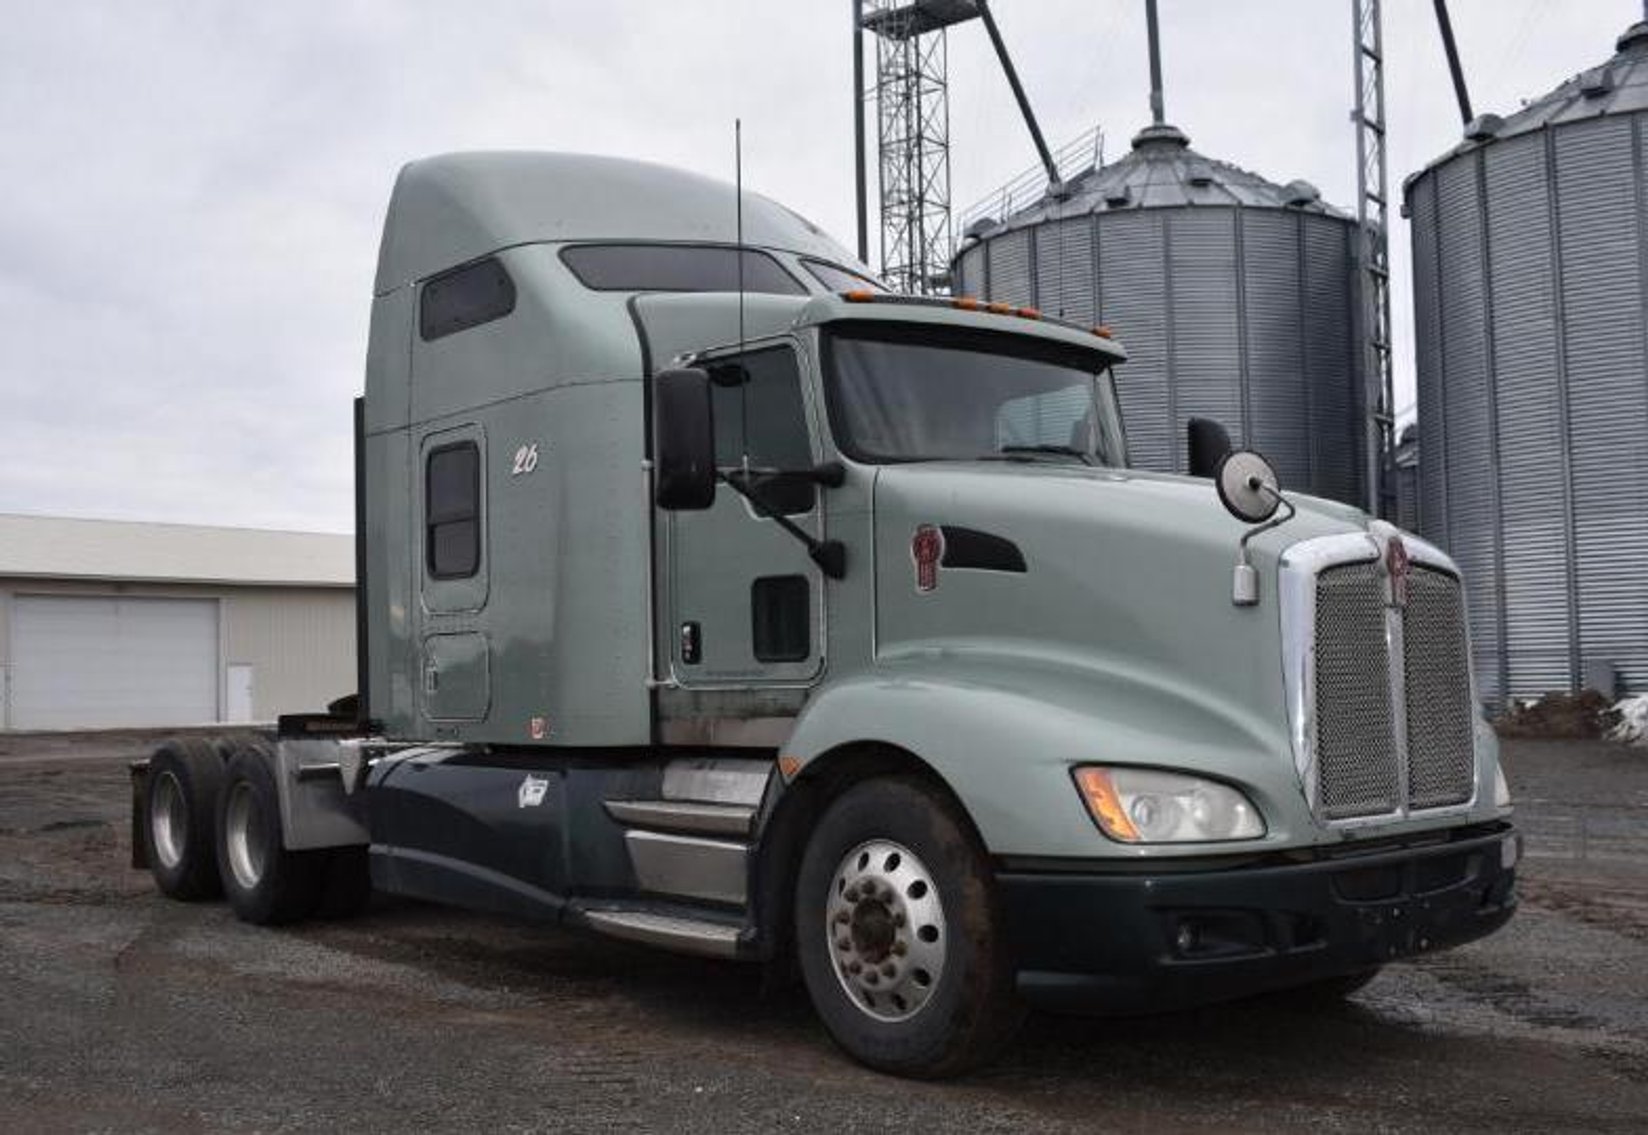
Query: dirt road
[123, 1011]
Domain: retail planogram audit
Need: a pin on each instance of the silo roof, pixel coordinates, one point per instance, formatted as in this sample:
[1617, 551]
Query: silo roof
[1162, 171]
[1617, 86]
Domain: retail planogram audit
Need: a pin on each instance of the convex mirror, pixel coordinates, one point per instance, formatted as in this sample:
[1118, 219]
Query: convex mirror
[1247, 486]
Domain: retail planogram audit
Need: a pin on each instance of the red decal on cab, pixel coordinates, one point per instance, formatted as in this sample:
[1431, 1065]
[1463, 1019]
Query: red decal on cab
[927, 549]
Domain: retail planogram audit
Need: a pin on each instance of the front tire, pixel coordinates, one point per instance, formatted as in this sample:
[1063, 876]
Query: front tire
[898, 933]
[264, 883]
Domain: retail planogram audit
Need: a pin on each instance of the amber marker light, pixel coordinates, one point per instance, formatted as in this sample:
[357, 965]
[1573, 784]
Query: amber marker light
[1105, 805]
[966, 303]
[996, 308]
[1103, 332]
[1027, 313]
[788, 766]
[859, 296]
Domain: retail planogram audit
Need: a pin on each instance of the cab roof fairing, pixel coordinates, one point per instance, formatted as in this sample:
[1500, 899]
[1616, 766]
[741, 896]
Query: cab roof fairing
[453, 208]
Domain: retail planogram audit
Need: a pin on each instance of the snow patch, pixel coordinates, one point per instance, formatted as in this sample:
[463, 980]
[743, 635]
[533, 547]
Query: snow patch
[1631, 725]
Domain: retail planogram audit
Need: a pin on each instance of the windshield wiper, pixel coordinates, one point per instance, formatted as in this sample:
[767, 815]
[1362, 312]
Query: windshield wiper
[1060, 450]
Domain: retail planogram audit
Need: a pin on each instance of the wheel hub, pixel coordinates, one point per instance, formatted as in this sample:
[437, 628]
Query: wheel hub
[243, 833]
[885, 928]
[168, 820]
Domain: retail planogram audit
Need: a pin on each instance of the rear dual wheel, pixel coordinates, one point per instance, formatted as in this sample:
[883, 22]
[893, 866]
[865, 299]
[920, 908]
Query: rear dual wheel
[264, 882]
[179, 818]
[897, 930]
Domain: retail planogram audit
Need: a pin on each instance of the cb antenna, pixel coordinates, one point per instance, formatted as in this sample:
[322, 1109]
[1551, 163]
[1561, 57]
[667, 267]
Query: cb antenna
[738, 252]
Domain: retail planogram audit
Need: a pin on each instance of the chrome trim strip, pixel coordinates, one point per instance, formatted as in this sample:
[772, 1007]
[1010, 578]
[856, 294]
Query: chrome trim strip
[688, 867]
[683, 816]
[686, 935]
[733, 732]
[717, 780]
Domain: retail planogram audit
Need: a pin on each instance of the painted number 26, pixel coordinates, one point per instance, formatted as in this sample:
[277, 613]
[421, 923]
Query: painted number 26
[526, 460]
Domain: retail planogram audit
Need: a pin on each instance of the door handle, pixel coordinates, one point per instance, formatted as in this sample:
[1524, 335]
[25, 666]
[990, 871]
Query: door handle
[431, 678]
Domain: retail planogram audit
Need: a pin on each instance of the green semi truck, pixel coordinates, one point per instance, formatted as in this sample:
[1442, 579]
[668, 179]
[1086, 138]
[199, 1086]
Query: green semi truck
[712, 597]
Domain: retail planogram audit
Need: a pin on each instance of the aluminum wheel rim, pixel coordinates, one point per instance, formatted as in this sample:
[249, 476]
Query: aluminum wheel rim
[245, 850]
[168, 820]
[884, 930]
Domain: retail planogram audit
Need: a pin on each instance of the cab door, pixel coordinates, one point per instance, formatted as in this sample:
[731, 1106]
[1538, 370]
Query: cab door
[746, 602]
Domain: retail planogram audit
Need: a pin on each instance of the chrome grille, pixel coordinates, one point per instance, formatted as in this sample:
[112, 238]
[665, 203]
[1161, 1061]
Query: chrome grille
[1381, 695]
[1435, 652]
[1356, 766]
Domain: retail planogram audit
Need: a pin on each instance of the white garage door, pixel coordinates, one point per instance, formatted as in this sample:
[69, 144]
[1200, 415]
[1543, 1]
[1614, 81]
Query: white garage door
[95, 661]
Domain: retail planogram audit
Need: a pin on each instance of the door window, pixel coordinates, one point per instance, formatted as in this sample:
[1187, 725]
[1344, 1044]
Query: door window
[756, 403]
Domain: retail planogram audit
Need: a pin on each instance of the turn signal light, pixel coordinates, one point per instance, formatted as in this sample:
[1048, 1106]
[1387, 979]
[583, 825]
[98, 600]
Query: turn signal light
[860, 295]
[1105, 804]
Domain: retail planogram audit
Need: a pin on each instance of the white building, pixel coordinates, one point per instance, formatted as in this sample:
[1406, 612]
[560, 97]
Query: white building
[113, 624]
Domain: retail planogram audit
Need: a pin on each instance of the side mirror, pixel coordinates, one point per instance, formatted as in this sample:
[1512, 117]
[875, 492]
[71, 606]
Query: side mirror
[1209, 445]
[1247, 486]
[683, 440]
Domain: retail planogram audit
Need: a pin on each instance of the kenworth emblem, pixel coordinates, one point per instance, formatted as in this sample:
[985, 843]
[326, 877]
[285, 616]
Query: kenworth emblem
[926, 549]
[1398, 566]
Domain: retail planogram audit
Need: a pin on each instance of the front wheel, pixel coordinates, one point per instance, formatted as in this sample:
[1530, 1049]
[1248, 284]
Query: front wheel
[897, 929]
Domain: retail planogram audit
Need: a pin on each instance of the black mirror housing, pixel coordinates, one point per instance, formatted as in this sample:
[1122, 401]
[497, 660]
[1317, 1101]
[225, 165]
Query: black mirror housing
[683, 440]
[1209, 445]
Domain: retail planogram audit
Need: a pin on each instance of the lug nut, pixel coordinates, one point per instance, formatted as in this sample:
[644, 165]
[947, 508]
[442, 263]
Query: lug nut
[888, 970]
[855, 967]
[900, 948]
[850, 894]
[898, 919]
[843, 943]
[843, 916]
[870, 977]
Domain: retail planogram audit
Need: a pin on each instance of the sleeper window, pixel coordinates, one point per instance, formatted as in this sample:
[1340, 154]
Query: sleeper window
[463, 298]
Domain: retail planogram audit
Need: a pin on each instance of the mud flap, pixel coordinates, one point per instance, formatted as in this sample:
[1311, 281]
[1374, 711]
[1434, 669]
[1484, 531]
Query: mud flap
[140, 788]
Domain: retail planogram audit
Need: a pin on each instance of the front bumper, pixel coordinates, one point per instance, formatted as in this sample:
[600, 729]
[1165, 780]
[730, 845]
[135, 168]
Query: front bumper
[1098, 940]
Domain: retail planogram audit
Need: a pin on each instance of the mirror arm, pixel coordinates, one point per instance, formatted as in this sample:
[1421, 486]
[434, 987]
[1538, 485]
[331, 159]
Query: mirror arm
[829, 555]
[1245, 588]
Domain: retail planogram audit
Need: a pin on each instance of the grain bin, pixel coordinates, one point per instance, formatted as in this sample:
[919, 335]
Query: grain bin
[1233, 295]
[1530, 247]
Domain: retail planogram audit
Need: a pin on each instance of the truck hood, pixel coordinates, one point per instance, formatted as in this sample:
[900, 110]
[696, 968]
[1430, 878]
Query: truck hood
[1112, 585]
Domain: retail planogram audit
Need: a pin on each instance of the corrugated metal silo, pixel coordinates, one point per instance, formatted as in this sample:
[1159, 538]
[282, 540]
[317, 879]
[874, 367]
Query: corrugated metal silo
[1233, 295]
[1530, 244]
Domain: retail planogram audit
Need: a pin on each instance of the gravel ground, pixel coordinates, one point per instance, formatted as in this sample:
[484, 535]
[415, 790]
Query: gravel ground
[123, 1011]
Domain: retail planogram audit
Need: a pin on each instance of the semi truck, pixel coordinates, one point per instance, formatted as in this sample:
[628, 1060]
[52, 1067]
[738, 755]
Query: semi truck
[712, 597]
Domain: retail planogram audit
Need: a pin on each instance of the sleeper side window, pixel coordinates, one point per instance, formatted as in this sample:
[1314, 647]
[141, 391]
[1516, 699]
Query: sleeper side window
[465, 297]
[452, 511]
[756, 402]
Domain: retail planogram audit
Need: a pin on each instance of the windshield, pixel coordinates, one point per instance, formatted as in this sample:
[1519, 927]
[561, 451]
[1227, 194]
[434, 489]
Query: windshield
[924, 393]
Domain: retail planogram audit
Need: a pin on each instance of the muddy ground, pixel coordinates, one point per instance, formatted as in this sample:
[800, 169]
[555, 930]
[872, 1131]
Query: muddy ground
[122, 1011]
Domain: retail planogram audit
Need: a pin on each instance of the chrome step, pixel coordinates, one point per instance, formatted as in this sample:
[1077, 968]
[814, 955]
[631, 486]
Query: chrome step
[687, 816]
[672, 932]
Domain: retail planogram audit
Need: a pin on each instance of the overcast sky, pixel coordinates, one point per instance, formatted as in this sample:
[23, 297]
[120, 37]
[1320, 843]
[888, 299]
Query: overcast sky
[192, 191]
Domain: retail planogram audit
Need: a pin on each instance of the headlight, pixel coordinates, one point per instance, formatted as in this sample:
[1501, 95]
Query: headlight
[1502, 791]
[1135, 805]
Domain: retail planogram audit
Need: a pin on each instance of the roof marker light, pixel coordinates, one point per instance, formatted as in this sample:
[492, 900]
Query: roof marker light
[1103, 332]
